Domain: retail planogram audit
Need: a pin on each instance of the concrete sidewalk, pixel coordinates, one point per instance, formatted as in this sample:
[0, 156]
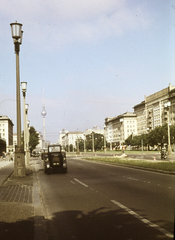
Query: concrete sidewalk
[21, 212]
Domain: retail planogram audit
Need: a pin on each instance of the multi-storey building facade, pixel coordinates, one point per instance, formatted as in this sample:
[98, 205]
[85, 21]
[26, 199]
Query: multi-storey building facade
[119, 128]
[61, 136]
[6, 132]
[95, 129]
[71, 138]
[14, 140]
[67, 138]
[140, 112]
[152, 111]
[147, 115]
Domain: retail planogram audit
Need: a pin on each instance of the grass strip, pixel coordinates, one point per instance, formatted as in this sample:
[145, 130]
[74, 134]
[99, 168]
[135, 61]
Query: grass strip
[157, 165]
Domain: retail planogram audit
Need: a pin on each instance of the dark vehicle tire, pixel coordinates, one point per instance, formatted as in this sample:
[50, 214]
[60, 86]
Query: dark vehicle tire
[47, 171]
[64, 170]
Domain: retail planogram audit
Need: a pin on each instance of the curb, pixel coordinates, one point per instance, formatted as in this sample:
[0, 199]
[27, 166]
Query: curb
[129, 166]
[40, 229]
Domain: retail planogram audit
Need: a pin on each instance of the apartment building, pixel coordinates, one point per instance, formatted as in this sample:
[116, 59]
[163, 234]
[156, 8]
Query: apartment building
[95, 129]
[61, 135]
[67, 138]
[119, 128]
[140, 112]
[6, 132]
[152, 112]
[71, 138]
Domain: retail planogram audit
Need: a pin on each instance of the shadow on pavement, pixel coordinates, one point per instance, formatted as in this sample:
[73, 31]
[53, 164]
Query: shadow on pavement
[20, 230]
[99, 224]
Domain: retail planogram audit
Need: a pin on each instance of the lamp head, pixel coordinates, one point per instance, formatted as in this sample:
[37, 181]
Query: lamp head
[16, 30]
[24, 86]
[26, 107]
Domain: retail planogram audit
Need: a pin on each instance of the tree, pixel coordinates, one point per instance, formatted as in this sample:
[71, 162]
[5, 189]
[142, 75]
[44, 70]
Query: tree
[98, 141]
[128, 141]
[158, 135]
[81, 144]
[34, 138]
[71, 148]
[172, 133]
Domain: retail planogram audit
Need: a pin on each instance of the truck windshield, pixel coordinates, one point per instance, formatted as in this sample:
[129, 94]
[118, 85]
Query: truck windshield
[54, 149]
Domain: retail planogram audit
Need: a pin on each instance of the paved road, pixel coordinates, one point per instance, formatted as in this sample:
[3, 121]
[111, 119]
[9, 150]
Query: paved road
[97, 201]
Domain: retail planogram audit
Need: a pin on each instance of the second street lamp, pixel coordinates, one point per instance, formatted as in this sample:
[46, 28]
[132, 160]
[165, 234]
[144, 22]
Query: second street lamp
[28, 140]
[19, 163]
[27, 156]
[92, 141]
[104, 138]
[167, 106]
[84, 143]
[24, 89]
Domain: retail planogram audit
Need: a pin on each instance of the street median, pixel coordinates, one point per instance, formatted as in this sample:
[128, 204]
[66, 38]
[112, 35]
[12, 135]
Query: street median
[154, 165]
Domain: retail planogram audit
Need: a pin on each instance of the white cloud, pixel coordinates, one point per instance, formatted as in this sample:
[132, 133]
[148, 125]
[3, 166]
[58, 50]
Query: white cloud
[56, 23]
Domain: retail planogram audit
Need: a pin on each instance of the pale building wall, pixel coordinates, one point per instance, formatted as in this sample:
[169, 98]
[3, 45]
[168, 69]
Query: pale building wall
[6, 132]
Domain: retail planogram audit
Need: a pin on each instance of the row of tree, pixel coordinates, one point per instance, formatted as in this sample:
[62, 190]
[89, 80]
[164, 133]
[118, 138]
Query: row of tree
[157, 136]
[98, 143]
[33, 139]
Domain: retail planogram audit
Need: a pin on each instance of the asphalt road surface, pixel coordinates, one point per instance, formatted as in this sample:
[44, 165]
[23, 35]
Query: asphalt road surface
[94, 201]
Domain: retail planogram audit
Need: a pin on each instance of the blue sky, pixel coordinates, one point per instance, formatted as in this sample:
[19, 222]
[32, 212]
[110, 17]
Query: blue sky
[93, 58]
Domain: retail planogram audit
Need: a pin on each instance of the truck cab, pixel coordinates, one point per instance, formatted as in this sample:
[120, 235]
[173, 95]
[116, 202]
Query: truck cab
[54, 159]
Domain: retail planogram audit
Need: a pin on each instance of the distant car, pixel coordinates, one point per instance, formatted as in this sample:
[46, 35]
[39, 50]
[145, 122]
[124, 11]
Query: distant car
[55, 159]
[35, 154]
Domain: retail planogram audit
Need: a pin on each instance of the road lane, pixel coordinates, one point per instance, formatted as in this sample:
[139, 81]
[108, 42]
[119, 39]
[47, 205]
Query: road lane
[78, 204]
[151, 193]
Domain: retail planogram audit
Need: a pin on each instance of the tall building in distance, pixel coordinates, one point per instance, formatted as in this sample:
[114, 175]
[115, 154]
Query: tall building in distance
[6, 134]
[152, 112]
[147, 115]
[44, 113]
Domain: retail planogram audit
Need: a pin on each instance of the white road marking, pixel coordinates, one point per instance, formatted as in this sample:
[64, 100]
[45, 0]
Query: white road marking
[132, 178]
[146, 221]
[72, 182]
[81, 182]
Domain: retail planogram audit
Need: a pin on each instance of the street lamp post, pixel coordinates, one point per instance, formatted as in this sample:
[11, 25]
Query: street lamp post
[92, 141]
[26, 134]
[174, 145]
[167, 105]
[24, 89]
[78, 150]
[104, 138]
[19, 163]
[28, 137]
[84, 143]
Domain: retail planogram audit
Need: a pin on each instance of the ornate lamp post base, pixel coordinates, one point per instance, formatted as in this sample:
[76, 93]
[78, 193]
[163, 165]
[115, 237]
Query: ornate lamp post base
[19, 163]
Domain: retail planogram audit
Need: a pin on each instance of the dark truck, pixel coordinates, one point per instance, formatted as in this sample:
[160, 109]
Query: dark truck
[54, 159]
